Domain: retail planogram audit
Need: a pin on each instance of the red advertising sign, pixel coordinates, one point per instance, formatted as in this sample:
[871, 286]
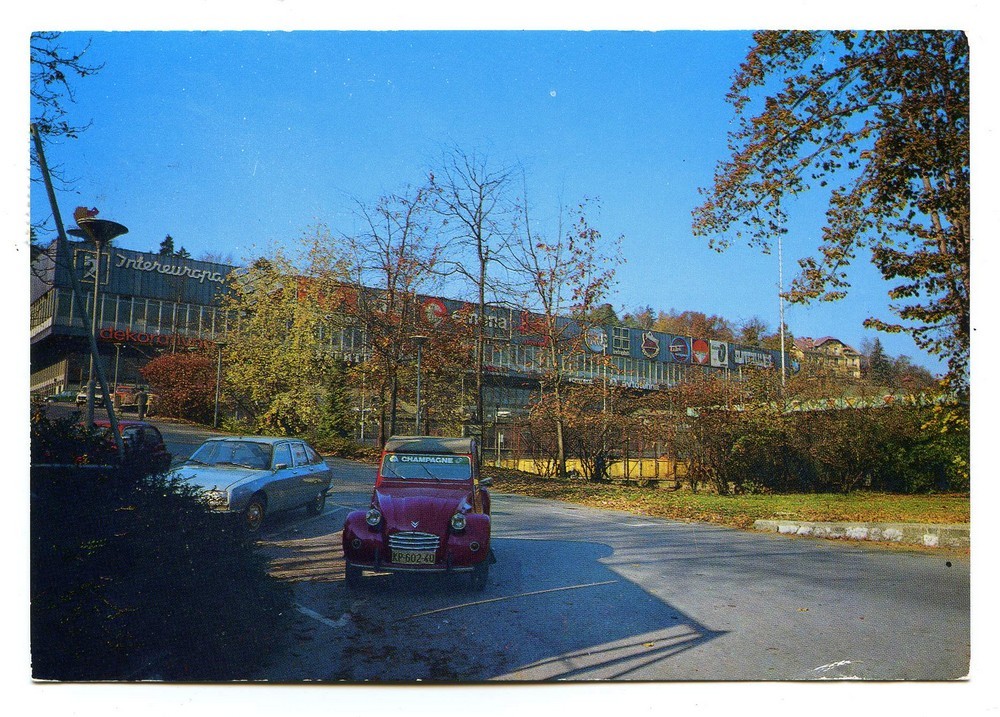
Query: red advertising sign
[700, 352]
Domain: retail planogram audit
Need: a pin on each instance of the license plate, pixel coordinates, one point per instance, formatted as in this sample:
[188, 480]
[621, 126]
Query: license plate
[412, 557]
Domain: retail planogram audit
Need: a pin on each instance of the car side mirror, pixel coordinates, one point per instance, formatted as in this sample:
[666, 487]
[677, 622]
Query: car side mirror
[485, 482]
[280, 466]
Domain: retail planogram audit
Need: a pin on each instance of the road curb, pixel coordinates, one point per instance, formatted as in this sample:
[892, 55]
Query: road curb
[931, 536]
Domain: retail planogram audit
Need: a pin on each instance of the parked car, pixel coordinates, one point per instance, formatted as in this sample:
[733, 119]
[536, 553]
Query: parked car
[143, 443]
[63, 397]
[81, 398]
[430, 512]
[255, 476]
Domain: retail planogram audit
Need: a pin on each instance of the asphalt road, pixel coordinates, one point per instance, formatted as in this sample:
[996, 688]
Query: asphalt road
[585, 594]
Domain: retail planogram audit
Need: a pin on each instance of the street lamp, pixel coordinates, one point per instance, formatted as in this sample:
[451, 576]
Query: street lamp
[218, 383]
[98, 231]
[419, 341]
[781, 310]
[118, 351]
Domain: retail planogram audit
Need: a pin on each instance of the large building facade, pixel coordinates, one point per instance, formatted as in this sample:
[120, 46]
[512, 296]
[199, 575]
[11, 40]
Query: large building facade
[146, 304]
[149, 304]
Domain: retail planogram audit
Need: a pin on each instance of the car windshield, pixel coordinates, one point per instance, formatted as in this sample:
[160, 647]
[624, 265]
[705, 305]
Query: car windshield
[247, 454]
[426, 466]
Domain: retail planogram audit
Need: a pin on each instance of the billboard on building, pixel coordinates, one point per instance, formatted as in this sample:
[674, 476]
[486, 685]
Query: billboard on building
[680, 349]
[134, 273]
[719, 354]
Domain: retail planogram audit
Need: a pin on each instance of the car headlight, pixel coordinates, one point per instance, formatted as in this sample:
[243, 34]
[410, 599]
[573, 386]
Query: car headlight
[458, 522]
[216, 499]
[373, 517]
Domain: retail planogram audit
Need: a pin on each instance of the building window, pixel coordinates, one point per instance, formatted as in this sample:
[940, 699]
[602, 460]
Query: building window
[620, 343]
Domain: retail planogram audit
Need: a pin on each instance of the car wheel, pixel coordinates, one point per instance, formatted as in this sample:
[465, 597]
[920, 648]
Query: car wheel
[352, 574]
[316, 505]
[480, 574]
[253, 516]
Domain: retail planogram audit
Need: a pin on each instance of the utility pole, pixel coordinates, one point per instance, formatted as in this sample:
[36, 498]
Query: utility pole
[419, 341]
[218, 383]
[781, 314]
[77, 292]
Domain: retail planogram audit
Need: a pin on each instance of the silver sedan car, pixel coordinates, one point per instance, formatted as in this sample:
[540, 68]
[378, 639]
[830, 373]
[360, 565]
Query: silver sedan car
[254, 476]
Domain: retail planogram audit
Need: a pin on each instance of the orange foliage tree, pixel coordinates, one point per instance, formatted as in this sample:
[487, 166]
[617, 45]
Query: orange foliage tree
[184, 384]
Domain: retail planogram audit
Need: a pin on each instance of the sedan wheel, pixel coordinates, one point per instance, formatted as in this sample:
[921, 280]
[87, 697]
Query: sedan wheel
[253, 516]
[316, 505]
[480, 574]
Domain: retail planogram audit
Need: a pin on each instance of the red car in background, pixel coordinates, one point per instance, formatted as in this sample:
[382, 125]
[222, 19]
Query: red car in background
[143, 443]
[430, 512]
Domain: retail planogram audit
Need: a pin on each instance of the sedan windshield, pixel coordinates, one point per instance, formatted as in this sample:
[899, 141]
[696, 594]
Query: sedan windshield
[417, 465]
[247, 454]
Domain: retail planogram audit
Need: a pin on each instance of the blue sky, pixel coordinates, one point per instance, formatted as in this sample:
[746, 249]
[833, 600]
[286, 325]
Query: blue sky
[230, 141]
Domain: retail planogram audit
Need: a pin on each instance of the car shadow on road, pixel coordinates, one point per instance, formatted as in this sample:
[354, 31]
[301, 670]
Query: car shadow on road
[552, 610]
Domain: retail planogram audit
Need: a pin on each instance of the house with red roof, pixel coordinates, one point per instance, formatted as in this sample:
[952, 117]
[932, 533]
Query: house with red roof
[827, 355]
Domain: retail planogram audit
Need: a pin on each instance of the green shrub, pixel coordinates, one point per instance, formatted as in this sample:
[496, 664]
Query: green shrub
[131, 578]
[335, 445]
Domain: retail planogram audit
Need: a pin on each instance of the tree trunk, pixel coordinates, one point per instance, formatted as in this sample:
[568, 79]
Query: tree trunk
[393, 401]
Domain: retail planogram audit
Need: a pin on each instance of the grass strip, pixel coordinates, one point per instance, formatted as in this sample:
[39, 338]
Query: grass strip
[739, 511]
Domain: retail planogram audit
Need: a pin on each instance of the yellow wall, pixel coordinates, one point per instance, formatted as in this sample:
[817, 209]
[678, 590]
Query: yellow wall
[647, 468]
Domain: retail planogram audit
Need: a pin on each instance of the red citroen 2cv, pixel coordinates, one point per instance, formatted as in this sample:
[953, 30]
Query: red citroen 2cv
[429, 512]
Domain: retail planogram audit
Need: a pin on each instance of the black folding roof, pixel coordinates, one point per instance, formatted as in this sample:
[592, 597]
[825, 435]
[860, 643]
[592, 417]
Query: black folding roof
[430, 444]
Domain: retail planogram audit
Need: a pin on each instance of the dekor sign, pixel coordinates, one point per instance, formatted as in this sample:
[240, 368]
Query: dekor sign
[140, 264]
[157, 340]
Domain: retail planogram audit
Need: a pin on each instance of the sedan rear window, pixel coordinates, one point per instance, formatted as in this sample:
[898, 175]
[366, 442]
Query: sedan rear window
[426, 466]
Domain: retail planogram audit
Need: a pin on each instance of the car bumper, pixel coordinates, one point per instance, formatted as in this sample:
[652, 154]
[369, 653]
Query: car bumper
[393, 568]
[462, 552]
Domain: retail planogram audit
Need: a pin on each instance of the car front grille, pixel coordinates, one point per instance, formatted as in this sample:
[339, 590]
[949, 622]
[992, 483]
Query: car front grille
[413, 541]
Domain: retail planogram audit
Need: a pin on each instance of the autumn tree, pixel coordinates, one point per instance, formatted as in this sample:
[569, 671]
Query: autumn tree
[276, 362]
[475, 202]
[376, 277]
[693, 323]
[564, 275]
[752, 331]
[728, 433]
[184, 384]
[601, 418]
[879, 123]
[640, 317]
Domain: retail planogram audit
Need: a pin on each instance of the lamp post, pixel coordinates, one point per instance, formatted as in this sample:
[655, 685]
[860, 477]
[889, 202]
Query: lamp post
[419, 341]
[99, 231]
[496, 431]
[781, 311]
[118, 351]
[218, 383]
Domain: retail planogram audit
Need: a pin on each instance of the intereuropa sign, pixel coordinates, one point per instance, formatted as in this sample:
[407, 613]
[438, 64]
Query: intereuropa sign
[141, 264]
[147, 339]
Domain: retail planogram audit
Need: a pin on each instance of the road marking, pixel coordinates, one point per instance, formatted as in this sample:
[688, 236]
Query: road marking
[342, 622]
[507, 597]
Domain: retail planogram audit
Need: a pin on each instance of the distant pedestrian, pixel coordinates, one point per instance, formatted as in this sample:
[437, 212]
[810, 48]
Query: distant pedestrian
[141, 401]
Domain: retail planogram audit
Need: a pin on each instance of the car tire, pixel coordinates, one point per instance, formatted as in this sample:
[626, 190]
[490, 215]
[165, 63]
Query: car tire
[480, 574]
[316, 505]
[253, 515]
[352, 576]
